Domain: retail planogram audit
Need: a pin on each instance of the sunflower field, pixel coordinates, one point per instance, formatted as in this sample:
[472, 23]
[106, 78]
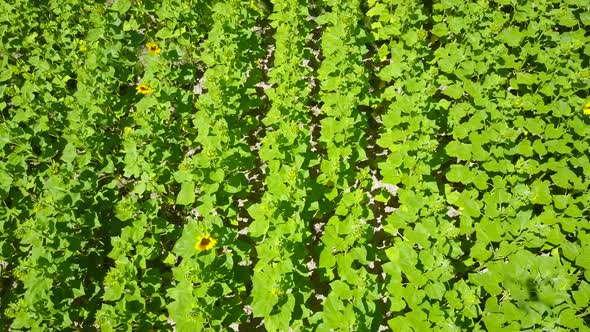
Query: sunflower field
[290, 165]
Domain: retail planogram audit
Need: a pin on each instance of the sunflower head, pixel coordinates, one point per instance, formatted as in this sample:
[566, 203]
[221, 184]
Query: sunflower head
[587, 109]
[153, 48]
[205, 242]
[144, 89]
[82, 46]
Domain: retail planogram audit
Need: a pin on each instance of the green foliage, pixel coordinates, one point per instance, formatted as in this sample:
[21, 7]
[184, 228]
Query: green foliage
[291, 165]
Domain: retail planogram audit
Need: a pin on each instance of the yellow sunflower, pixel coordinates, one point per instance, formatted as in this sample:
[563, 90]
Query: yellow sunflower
[205, 242]
[153, 48]
[587, 109]
[144, 89]
[82, 46]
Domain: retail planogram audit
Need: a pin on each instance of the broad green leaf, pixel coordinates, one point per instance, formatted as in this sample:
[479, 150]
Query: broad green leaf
[491, 230]
[511, 36]
[459, 150]
[186, 195]
[258, 227]
[440, 29]
[454, 91]
[121, 6]
[69, 153]
[540, 193]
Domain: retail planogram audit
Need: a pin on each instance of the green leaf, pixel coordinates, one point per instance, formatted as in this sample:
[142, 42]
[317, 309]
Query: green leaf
[454, 91]
[440, 29]
[263, 298]
[69, 153]
[471, 207]
[568, 318]
[391, 71]
[526, 78]
[113, 291]
[397, 303]
[186, 196]
[524, 148]
[568, 19]
[146, 103]
[327, 259]
[258, 227]
[121, 6]
[435, 290]
[5, 181]
[480, 252]
[341, 289]
[337, 315]
[540, 193]
[235, 184]
[569, 250]
[459, 150]
[458, 173]
[564, 178]
[164, 33]
[490, 230]
[280, 321]
[539, 148]
[511, 36]
[257, 211]
[582, 295]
